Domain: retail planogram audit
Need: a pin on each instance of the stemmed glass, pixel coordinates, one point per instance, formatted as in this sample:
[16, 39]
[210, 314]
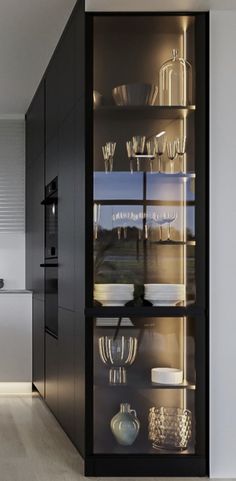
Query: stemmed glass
[131, 154]
[121, 217]
[96, 218]
[116, 219]
[160, 220]
[169, 217]
[108, 151]
[160, 147]
[171, 153]
[151, 151]
[181, 149]
[138, 145]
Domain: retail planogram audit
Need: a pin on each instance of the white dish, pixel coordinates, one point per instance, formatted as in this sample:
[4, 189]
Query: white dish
[166, 375]
[113, 295]
[114, 286]
[164, 285]
[163, 303]
[113, 302]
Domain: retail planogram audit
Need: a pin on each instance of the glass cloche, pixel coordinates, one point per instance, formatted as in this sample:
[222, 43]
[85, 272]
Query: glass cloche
[175, 81]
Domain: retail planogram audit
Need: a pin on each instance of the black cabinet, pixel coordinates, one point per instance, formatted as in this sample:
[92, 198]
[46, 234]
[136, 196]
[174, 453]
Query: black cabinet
[66, 371]
[35, 227]
[60, 82]
[132, 195]
[35, 126]
[66, 213]
[51, 159]
[38, 345]
[38, 227]
[35, 192]
[51, 373]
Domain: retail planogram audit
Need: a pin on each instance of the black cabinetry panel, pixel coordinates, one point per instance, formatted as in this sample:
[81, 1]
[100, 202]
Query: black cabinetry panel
[80, 49]
[35, 126]
[51, 160]
[35, 227]
[66, 373]
[66, 213]
[80, 277]
[60, 82]
[38, 345]
[38, 228]
[51, 373]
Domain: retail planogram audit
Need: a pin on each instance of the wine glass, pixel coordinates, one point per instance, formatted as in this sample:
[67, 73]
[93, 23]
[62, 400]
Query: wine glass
[108, 151]
[169, 217]
[131, 154]
[151, 152]
[181, 149]
[160, 147]
[171, 153]
[138, 145]
[160, 220]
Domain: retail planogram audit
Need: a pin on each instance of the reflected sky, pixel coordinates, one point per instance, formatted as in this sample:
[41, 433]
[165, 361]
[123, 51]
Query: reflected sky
[127, 186]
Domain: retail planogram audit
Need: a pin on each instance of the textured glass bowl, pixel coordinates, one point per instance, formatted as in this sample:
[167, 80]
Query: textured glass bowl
[118, 354]
[170, 428]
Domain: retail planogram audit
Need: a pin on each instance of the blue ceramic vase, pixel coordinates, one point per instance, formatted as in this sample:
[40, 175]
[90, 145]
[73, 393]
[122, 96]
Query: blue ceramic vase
[125, 425]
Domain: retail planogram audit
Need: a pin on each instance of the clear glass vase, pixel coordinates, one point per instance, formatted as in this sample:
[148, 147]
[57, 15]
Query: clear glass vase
[175, 81]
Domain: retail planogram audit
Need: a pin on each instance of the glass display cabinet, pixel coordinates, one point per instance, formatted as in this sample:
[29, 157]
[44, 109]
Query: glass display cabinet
[147, 307]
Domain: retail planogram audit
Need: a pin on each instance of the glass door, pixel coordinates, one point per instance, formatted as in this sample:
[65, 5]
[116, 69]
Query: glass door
[147, 382]
[144, 161]
[144, 386]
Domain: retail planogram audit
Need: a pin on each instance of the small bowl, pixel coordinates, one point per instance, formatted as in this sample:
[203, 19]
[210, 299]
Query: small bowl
[166, 375]
[137, 94]
[97, 99]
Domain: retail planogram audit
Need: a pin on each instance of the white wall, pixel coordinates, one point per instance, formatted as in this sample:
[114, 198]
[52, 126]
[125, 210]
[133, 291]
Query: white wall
[223, 245]
[12, 203]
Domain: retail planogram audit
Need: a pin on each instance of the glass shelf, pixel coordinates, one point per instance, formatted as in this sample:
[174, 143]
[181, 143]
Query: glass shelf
[137, 386]
[108, 112]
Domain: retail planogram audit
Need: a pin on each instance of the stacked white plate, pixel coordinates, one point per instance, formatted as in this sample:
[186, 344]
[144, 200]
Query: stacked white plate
[164, 294]
[166, 375]
[113, 294]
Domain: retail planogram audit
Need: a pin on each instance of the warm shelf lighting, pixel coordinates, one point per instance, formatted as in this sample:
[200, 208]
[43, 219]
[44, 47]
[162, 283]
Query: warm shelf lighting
[160, 134]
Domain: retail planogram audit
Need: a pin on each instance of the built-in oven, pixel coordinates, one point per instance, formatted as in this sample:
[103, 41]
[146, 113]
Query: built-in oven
[51, 220]
[50, 264]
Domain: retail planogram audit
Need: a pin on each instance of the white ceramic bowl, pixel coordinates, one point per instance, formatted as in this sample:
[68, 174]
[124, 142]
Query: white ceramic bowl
[166, 375]
[113, 302]
[114, 286]
[114, 298]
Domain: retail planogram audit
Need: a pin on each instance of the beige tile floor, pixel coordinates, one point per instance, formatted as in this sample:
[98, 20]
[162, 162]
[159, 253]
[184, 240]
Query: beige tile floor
[33, 446]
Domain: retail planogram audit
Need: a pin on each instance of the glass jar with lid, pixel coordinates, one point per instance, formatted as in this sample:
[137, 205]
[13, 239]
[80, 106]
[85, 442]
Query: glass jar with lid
[175, 81]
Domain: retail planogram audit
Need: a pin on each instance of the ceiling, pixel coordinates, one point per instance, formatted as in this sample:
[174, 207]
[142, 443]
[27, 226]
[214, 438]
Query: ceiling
[29, 32]
[159, 5]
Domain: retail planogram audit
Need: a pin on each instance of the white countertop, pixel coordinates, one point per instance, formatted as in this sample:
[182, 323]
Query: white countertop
[15, 291]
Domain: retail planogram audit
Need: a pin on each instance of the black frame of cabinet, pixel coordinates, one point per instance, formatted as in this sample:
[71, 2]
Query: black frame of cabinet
[83, 312]
[149, 464]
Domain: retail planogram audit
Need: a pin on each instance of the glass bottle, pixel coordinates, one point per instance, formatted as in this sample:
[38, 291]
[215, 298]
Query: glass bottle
[175, 81]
